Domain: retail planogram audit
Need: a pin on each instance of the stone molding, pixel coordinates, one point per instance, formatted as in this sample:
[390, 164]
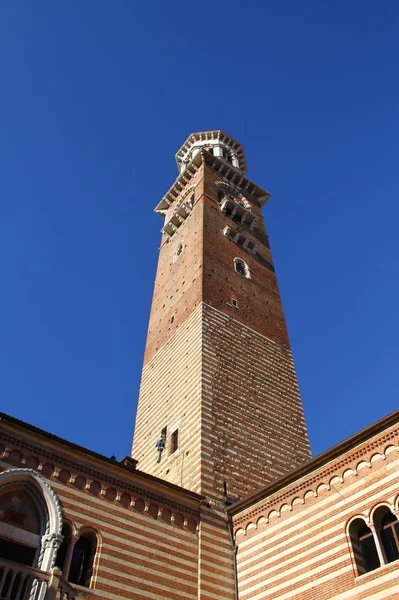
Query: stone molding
[83, 477]
[196, 141]
[311, 486]
[225, 171]
[50, 505]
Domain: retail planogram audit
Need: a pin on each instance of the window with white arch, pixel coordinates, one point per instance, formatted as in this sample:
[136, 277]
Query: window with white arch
[76, 554]
[375, 541]
[363, 546]
[387, 526]
[241, 267]
[30, 530]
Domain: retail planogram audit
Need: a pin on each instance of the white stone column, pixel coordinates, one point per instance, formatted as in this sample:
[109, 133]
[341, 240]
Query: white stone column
[378, 544]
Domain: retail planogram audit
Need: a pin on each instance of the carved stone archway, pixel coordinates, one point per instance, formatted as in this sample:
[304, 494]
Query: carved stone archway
[50, 507]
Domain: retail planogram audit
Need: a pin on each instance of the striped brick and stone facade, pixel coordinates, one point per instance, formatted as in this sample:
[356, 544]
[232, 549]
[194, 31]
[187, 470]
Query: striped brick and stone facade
[146, 530]
[218, 371]
[295, 538]
[218, 365]
[221, 500]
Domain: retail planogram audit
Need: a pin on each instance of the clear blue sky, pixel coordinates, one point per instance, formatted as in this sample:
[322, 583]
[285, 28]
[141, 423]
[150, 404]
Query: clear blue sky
[96, 99]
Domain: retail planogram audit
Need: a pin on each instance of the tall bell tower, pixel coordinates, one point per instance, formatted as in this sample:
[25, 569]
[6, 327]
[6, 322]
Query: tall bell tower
[219, 410]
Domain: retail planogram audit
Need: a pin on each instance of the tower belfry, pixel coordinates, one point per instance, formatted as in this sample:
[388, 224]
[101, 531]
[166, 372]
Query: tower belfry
[219, 409]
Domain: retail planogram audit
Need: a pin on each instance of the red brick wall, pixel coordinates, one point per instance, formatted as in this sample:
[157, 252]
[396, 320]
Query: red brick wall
[148, 536]
[293, 544]
[223, 375]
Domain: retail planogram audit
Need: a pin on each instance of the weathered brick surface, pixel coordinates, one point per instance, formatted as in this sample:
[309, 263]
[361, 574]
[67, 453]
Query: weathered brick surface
[253, 424]
[148, 536]
[293, 544]
[218, 368]
[178, 284]
[224, 374]
[258, 298]
[170, 396]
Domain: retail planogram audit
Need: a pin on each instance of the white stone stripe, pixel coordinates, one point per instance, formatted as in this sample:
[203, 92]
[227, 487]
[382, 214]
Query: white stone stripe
[262, 563]
[314, 474]
[318, 562]
[277, 593]
[184, 545]
[297, 517]
[138, 551]
[146, 580]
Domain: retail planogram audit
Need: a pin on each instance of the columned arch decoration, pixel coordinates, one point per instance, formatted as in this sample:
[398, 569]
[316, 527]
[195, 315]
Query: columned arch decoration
[40, 497]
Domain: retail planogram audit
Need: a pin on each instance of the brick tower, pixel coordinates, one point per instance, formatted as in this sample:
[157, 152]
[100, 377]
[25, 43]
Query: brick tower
[219, 411]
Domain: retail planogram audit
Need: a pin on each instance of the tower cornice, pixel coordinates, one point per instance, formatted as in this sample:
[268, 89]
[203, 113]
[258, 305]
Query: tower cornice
[227, 172]
[215, 139]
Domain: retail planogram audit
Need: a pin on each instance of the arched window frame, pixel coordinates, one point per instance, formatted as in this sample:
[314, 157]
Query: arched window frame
[365, 549]
[48, 503]
[386, 526]
[87, 577]
[243, 269]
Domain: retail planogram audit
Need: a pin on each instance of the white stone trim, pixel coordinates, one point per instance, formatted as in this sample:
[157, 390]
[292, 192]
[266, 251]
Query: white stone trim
[52, 538]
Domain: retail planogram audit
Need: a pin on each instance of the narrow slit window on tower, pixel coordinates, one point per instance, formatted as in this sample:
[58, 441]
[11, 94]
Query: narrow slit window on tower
[241, 267]
[172, 318]
[174, 441]
[234, 302]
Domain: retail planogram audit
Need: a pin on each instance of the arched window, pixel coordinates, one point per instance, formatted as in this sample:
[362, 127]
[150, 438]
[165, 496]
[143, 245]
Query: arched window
[30, 528]
[242, 268]
[387, 527]
[83, 554]
[21, 525]
[178, 251]
[390, 536]
[364, 548]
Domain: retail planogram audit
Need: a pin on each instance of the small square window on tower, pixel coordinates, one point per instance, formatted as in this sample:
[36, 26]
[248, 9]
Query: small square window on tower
[174, 441]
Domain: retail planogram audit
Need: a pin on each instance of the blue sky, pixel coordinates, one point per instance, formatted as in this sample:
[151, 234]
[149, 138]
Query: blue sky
[96, 99]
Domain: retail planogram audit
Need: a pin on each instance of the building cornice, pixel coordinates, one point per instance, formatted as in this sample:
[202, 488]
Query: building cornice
[227, 173]
[211, 136]
[320, 461]
[93, 465]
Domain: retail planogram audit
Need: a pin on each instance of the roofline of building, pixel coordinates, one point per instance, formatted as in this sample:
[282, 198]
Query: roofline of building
[110, 462]
[211, 134]
[227, 172]
[319, 461]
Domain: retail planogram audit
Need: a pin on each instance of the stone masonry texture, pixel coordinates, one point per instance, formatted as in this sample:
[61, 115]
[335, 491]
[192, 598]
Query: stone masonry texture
[218, 365]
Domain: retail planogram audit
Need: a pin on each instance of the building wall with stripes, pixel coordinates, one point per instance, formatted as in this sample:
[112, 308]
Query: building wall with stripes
[218, 365]
[147, 532]
[294, 544]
